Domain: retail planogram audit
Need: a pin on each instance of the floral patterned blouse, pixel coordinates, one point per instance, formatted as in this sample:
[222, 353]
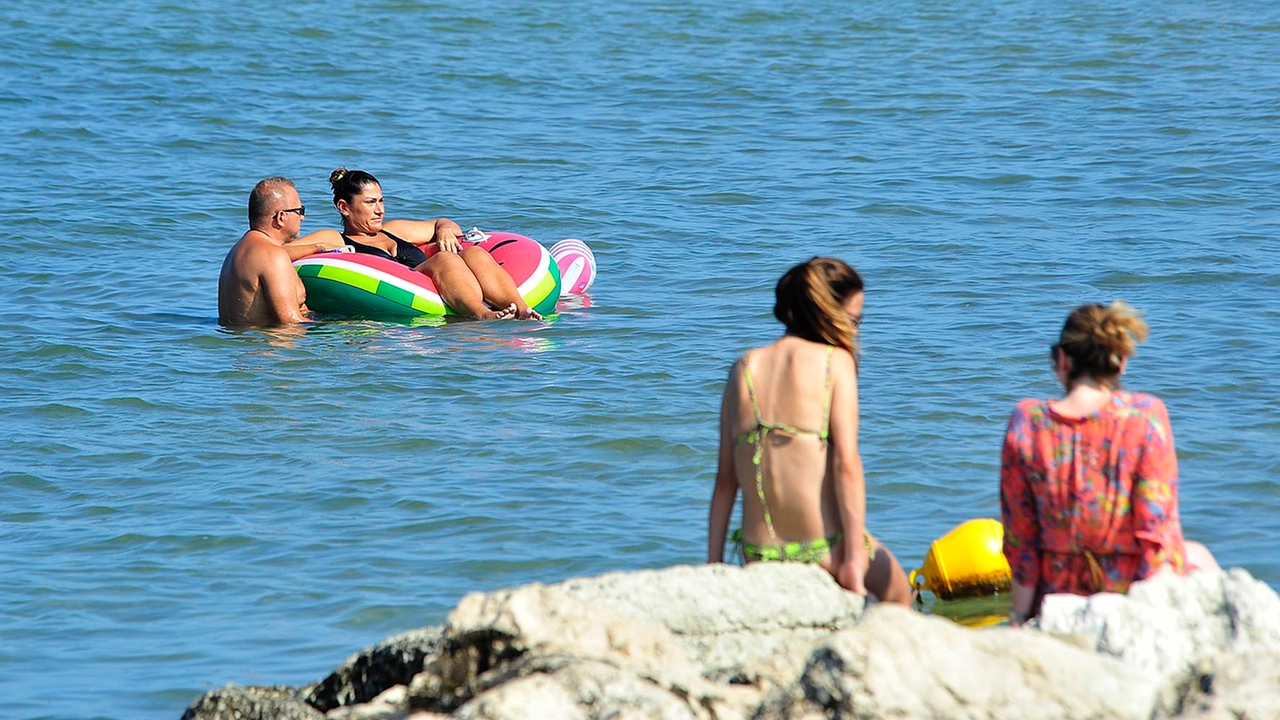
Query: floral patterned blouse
[1090, 504]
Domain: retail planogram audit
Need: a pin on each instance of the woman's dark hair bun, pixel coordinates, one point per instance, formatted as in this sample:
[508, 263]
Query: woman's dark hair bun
[336, 176]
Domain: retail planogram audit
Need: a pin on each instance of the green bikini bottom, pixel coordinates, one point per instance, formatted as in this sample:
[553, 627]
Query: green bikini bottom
[808, 551]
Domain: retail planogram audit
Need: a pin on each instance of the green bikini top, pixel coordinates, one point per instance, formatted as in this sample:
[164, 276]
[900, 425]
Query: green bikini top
[757, 433]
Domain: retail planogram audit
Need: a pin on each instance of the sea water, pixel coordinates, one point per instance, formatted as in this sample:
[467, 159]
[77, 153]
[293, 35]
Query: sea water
[185, 506]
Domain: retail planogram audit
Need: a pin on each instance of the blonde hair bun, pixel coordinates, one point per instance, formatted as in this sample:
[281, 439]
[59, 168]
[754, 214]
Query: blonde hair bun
[1119, 330]
[1098, 338]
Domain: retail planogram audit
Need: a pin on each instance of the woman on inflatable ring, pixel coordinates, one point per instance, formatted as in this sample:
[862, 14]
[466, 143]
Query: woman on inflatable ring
[466, 278]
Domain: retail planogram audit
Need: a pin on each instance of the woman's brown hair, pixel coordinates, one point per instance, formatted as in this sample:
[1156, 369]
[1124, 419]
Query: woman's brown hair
[810, 299]
[1098, 338]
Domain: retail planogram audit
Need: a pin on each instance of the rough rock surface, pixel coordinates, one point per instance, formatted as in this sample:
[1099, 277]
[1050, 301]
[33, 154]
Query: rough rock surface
[498, 643]
[1231, 686]
[783, 641]
[723, 621]
[235, 702]
[371, 671]
[584, 689]
[1169, 623]
[900, 664]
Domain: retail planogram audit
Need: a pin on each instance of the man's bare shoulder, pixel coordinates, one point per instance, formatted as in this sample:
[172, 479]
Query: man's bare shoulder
[255, 248]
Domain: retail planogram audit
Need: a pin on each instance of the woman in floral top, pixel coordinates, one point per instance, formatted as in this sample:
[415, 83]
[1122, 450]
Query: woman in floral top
[1089, 483]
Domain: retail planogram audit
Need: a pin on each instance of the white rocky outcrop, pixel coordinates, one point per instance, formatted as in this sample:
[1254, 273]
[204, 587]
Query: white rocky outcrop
[1169, 623]
[897, 663]
[775, 641]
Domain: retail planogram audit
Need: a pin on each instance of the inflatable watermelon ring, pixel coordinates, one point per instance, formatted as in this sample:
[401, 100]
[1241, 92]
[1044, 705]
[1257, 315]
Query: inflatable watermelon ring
[360, 285]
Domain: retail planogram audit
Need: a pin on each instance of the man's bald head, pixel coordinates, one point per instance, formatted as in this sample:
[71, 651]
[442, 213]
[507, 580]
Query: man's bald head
[269, 197]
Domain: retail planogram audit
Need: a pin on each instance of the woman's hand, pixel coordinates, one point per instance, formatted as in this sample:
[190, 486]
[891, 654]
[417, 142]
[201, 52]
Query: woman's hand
[448, 235]
[448, 242]
[1023, 605]
[852, 571]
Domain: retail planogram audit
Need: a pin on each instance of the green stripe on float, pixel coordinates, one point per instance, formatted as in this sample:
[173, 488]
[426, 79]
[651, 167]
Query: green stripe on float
[397, 295]
[428, 305]
[548, 286]
[419, 302]
[548, 304]
[348, 277]
[542, 289]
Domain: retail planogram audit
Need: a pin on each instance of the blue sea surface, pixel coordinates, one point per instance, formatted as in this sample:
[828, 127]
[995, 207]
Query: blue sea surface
[184, 506]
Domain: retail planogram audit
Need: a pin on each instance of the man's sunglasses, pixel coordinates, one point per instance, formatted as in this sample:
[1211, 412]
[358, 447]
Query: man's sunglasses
[301, 210]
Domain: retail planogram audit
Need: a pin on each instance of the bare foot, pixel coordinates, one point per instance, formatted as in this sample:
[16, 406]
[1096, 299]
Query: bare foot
[528, 314]
[505, 313]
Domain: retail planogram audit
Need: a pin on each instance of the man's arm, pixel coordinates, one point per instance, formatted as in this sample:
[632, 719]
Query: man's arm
[279, 283]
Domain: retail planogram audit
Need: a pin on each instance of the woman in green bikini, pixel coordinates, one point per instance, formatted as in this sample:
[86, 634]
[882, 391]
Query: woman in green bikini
[789, 440]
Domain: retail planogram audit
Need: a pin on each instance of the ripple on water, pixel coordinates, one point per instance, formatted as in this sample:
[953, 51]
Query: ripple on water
[187, 506]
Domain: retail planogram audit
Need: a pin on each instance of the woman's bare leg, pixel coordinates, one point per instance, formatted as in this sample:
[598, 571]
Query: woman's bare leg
[459, 288]
[886, 579]
[1199, 558]
[495, 284]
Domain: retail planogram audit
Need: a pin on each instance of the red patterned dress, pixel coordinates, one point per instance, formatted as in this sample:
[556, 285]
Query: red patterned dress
[1090, 504]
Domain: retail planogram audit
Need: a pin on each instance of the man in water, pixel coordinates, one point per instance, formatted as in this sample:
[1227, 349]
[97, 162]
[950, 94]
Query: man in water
[258, 285]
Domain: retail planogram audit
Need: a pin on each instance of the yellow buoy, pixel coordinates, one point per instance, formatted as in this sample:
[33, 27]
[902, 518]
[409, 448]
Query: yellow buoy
[966, 562]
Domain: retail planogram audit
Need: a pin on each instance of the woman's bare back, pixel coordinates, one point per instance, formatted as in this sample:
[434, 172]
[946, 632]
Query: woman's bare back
[790, 380]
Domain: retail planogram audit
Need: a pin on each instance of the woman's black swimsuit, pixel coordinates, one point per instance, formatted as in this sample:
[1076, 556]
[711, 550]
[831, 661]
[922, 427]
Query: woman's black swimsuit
[407, 253]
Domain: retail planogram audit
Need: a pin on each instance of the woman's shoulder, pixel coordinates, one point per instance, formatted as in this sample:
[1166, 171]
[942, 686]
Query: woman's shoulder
[318, 235]
[1029, 411]
[1138, 401]
[812, 356]
[1030, 406]
[746, 359]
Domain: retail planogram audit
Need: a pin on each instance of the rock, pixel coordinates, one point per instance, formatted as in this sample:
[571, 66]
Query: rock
[584, 689]
[1169, 623]
[784, 641]
[374, 670]
[1231, 686]
[900, 664]
[753, 625]
[235, 702]
[607, 690]
[507, 636]
[390, 705]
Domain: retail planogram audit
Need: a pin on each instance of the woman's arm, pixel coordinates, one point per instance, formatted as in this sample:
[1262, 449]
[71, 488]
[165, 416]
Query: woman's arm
[1157, 526]
[1020, 519]
[1024, 599]
[420, 232]
[318, 241]
[847, 474]
[725, 492]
